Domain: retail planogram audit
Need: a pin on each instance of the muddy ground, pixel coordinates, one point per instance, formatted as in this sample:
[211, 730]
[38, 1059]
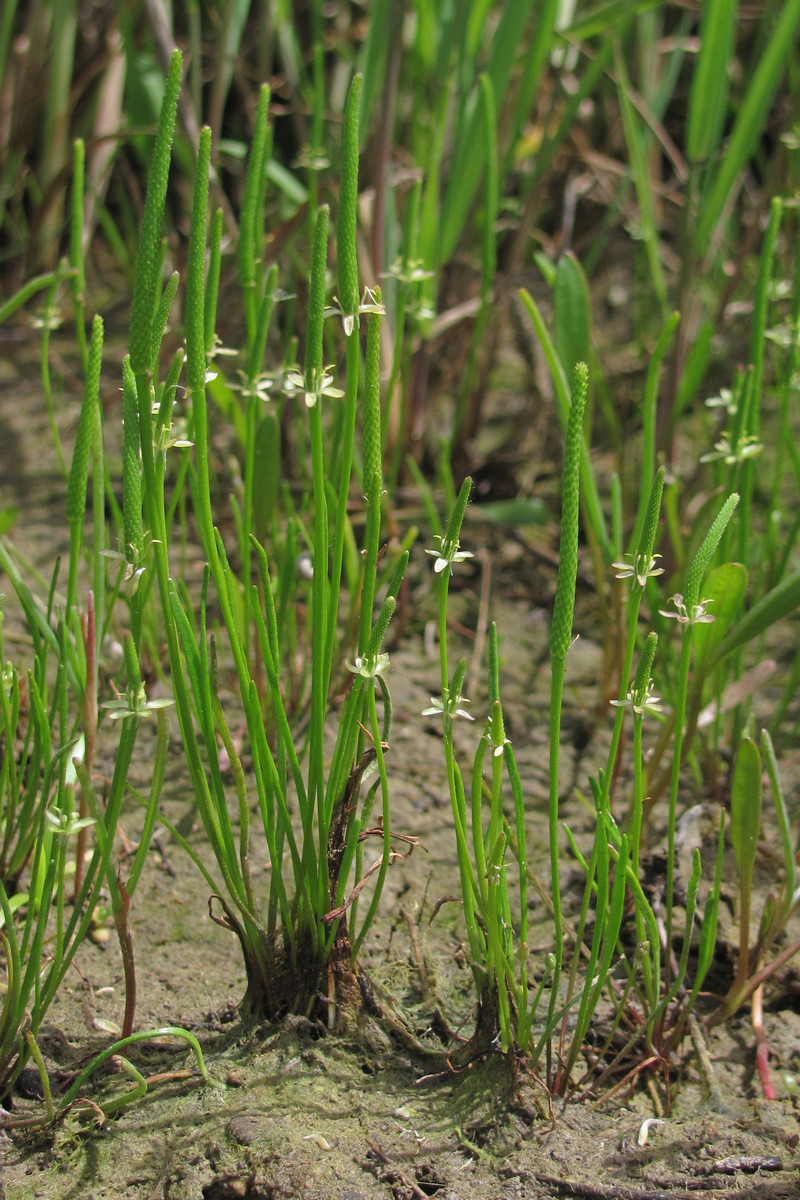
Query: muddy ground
[296, 1111]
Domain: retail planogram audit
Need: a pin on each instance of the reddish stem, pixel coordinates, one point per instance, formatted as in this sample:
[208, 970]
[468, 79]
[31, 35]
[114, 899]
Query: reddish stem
[762, 1050]
[128, 964]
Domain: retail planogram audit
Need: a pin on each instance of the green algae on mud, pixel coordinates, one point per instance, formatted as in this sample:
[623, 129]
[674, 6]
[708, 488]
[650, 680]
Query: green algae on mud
[348, 1118]
[297, 1112]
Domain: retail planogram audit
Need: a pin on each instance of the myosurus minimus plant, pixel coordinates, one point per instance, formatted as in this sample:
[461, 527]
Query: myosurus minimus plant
[296, 600]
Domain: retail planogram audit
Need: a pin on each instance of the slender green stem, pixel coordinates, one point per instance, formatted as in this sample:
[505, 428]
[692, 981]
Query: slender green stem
[385, 820]
[319, 676]
[560, 640]
[556, 692]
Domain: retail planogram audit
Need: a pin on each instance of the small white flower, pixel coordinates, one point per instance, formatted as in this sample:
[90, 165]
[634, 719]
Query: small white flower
[219, 351]
[256, 389]
[133, 704]
[409, 270]
[641, 702]
[724, 399]
[640, 568]
[369, 666]
[64, 824]
[9, 679]
[781, 289]
[447, 705]
[369, 304]
[785, 336]
[497, 747]
[698, 616]
[134, 568]
[448, 554]
[496, 731]
[312, 158]
[314, 387]
[173, 436]
[48, 318]
[748, 446]
[176, 432]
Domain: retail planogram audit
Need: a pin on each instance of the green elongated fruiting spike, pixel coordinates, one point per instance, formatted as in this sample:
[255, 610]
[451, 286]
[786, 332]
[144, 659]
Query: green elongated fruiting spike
[453, 532]
[316, 300]
[248, 250]
[131, 474]
[195, 271]
[459, 675]
[372, 399]
[497, 729]
[163, 420]
[372, 471]
[645, 550]
[494, 666]
[561, 628]
[79, 471]
[148, 258]
[258, 230]
[706, 552]
[381, 626]
[212, 282]
[641, 679]
[348, 204]
[399, 573]
[161, 318]
[133, 675]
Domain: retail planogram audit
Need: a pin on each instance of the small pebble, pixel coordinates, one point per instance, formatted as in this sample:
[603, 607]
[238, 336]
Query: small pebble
[235, 1078]
[245, 1128]
[318, 1140]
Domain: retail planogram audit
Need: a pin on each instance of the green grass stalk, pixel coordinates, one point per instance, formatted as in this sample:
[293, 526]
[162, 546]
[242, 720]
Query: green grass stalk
[86, 438]
[690, 612]
[560, 640]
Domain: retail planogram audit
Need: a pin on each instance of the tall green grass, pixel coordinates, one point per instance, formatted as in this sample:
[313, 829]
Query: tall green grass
[300, 938]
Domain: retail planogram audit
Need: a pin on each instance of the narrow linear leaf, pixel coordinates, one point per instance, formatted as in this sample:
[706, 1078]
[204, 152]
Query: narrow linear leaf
[149, 256]
[750, 120]
[709, 92]
[746, 809]
[724, 591]
[572, 314]
[778, 603]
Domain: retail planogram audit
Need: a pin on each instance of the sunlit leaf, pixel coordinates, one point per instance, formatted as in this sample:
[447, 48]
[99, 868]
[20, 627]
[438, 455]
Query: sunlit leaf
[778, 603]
[572, 314]
[745, 820]
[724, 589]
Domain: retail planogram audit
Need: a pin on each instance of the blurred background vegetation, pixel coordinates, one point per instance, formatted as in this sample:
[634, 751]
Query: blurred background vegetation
[569, 155]
[495, 139]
